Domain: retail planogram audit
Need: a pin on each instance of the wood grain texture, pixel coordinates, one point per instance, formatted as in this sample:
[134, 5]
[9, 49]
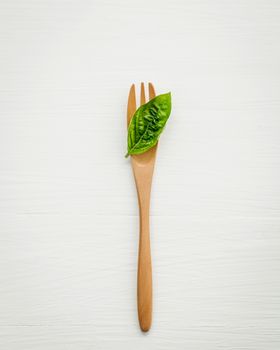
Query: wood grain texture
[68, 250]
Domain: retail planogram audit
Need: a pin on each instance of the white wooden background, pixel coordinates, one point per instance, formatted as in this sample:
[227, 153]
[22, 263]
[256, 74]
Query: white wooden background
[68, 225]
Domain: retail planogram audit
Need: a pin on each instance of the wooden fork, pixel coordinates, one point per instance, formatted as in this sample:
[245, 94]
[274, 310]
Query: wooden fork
[143, 168]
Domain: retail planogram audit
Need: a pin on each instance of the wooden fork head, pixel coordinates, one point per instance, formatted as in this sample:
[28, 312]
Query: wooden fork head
[131, 105]
[131, 108]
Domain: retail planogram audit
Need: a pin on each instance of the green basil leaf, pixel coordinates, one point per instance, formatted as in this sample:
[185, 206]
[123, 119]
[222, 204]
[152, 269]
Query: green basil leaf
[147, 124]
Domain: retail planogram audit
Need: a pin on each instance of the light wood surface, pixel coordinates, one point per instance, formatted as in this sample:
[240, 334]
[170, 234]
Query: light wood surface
[68, 203]
[143, 169]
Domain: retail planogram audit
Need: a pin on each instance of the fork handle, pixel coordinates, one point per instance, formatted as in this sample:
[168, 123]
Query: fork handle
[144, 278]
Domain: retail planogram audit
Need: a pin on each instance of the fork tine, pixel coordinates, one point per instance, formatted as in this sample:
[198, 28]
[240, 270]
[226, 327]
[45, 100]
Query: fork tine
[152, 92]
[131, 104]
[142, 95]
